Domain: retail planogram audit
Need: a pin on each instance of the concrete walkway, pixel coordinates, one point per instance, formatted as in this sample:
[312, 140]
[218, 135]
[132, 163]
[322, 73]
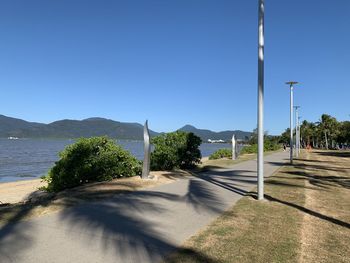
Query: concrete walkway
[142, 226]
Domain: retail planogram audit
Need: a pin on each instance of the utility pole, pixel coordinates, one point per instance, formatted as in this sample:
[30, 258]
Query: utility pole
[260, 163]
[291, 83]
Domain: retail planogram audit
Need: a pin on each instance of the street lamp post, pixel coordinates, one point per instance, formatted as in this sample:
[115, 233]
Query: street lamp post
[260, 163]
[297, 142]
[299, 136]
[291, 83]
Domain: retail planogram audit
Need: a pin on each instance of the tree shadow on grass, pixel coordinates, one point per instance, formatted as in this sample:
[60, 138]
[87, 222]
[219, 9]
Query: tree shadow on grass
[306, 171]
[310, 212]
[345, 154]
[322, 181]
[320, 167]
[310, 161]
[287, 184]
[270, 198]
[190, 255]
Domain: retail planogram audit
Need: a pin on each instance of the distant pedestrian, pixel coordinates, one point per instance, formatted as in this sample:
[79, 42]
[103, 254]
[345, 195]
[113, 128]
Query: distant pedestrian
[308, 147]
[284, 147]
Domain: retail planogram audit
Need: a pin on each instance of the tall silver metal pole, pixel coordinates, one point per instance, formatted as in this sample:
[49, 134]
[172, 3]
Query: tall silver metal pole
[297, 130]
[291, 124]
[261, 102]
[299, 135]
[291, 83]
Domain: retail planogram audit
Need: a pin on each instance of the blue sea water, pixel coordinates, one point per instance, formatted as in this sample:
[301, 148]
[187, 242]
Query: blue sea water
[25, 159]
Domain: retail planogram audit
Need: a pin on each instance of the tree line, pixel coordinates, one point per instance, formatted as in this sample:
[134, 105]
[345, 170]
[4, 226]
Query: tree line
[327, 133]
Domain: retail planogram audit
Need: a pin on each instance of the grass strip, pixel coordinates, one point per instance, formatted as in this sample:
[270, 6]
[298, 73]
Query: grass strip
[304, 218]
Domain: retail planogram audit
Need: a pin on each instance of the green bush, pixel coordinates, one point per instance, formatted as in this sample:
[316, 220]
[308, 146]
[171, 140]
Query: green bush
[175, 150]
[268, 146]
[221, 153]
[249, 149]
[91, 160]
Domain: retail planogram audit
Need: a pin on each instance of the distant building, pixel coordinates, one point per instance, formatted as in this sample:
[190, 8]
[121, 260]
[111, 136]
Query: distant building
[216, 141]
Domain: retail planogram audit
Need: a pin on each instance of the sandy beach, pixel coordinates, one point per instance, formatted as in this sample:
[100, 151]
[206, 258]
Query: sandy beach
[14, 192]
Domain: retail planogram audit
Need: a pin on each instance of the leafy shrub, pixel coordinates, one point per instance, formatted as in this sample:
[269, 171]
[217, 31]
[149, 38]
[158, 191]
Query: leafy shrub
[250, 149]
[221, 153]
[175, 150]
[268, 146]
[91, 160]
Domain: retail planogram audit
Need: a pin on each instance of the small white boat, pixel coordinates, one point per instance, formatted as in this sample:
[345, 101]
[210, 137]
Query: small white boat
[12, 138]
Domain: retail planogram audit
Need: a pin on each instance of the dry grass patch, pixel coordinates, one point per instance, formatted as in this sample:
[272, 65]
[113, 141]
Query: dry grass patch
[326, 237]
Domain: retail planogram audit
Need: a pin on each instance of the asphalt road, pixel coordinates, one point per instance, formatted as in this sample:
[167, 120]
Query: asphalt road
[142, 226]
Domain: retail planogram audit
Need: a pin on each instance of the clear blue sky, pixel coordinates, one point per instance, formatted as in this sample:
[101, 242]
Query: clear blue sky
[173, 62]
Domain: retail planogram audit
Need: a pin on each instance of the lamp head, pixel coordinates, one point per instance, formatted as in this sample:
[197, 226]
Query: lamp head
[291, 83]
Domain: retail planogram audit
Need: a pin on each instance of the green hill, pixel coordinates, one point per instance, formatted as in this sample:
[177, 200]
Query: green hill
[71, 129]
[12, 127]
[223, 135]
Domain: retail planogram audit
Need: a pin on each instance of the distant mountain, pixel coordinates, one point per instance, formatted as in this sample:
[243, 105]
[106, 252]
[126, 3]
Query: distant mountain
[12, 127]
[15, 127]
[223, 135]
[71, 129]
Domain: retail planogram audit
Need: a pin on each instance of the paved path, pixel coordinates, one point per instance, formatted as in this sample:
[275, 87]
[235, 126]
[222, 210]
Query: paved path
[142, 226]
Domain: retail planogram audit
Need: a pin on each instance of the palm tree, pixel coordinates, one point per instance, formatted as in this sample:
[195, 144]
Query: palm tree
[344, 133]
[285, 137]
[329, 128]
[306, 132]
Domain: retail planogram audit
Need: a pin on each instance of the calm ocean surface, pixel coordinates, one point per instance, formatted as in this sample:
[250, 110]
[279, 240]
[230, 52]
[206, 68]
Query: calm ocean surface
[25, 159]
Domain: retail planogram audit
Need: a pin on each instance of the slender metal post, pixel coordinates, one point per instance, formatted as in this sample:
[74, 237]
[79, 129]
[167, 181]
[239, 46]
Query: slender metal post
[261, 102]
[291, 124]
[291, 83]
[298, 141]
[297, 131]
[299, 135]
